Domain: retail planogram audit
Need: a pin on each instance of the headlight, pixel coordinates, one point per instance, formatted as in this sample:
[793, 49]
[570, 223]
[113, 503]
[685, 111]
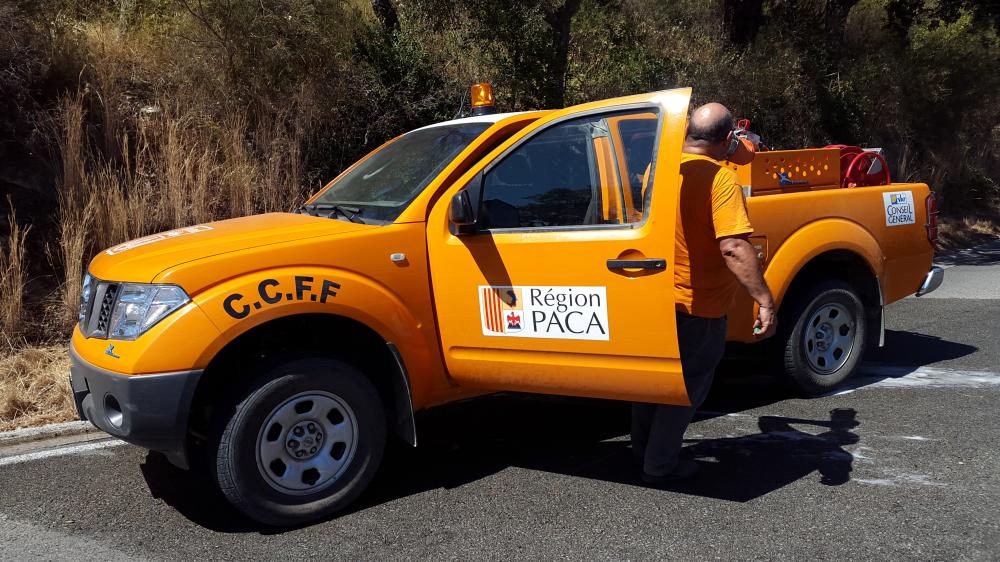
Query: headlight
[85, 293]
[139, 306]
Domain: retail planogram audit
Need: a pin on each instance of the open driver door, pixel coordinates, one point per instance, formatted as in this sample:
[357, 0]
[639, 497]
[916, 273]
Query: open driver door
[552, 258]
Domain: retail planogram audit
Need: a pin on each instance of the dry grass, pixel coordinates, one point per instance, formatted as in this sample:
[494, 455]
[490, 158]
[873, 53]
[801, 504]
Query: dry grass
[74, 234]
[71, 143]
[34, 387]
[13, 280]
[130, 169]
[75, 205]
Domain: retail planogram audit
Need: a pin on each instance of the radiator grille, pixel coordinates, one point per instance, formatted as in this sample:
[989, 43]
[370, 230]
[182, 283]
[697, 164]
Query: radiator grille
[107, 307]
[97, 312]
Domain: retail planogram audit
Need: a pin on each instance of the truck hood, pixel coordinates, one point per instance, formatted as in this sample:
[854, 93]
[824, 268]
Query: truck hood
[141, 260]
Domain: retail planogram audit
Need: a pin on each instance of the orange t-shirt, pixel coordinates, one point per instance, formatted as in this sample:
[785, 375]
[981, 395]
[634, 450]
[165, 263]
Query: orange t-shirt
[711, 207]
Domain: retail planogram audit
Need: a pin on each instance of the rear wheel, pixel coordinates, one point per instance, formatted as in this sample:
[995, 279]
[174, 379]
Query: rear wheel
[302, 444]
[826, 341]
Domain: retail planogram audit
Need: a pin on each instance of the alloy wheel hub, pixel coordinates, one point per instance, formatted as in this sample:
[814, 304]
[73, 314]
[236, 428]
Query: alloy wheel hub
[829, 338]
[824, 336]
[305, 440]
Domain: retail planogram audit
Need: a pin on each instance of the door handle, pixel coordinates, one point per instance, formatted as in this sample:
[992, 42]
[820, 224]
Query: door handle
[652, 263]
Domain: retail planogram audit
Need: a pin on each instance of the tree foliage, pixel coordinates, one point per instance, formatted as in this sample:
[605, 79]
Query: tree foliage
[918, 77]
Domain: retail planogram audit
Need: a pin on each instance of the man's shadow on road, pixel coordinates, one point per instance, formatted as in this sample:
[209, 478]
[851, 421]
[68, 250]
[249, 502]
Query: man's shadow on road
[747, 467]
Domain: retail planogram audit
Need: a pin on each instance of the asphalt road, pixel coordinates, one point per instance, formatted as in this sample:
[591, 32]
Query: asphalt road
[902, 464]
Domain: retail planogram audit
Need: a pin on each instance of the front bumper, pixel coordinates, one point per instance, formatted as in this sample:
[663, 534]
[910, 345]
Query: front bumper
[147, 410]
[933, 280]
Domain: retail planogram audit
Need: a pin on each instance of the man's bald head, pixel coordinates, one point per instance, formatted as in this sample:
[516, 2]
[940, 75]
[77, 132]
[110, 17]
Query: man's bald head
[709, 124]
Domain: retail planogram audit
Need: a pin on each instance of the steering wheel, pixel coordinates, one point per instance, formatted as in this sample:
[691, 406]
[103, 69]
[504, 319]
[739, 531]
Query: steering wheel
[856, 174]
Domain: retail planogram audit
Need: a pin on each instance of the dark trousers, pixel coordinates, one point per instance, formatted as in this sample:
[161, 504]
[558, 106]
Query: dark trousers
[658, 429]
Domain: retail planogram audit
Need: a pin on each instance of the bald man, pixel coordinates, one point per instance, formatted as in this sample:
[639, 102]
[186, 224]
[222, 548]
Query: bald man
[712, 259]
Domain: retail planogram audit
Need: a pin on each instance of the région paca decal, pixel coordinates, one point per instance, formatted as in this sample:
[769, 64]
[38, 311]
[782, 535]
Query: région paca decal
[575, 313]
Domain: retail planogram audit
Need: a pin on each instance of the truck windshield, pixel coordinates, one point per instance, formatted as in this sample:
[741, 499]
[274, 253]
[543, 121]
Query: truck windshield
[387, 181]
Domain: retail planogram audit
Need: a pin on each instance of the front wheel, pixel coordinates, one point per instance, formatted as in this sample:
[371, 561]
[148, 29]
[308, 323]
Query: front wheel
[302, 444]
[827, 339]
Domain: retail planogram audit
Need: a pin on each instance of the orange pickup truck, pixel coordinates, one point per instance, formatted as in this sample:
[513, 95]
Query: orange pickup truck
[501, 252]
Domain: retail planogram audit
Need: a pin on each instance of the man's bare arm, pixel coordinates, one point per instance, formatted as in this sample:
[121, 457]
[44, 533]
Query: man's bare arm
[742, 261]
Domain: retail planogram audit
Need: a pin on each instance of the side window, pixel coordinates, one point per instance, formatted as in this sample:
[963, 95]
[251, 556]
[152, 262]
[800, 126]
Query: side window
[572, 174]
[635, 137]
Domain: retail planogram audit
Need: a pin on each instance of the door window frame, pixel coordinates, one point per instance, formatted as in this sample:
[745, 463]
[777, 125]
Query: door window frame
[478, 183]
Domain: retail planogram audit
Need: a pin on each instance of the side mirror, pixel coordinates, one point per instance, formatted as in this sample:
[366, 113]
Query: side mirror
[461, 213]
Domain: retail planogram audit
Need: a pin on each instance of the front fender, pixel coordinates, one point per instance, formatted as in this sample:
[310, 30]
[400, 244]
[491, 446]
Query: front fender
[242, 303]
[191, 337]
[818, 238]
[176, 343]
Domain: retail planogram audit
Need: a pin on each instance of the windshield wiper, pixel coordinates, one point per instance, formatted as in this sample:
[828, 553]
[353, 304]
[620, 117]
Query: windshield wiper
[350, 213]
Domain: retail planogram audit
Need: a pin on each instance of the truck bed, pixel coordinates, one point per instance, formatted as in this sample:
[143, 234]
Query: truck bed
[882, 226]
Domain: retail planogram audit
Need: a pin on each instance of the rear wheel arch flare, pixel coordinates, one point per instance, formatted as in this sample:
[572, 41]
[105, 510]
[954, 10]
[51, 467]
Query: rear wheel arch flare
[845, 265]
[830, 242]
[344, 338]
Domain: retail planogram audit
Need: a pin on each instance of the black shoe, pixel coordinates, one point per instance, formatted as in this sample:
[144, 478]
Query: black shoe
[684, 470]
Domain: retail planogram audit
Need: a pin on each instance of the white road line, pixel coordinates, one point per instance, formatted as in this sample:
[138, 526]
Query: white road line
[896, 478]
[909, 377]
[60, 451]
[880, 376]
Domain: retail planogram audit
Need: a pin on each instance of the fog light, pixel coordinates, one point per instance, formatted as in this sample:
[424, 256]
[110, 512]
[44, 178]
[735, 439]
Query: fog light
[113, 411]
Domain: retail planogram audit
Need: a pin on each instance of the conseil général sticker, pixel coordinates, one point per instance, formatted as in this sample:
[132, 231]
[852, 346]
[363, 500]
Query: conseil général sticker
[899, 208]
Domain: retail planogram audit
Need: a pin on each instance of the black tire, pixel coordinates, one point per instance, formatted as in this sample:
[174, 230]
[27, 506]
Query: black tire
[253, 488]
[817, 312]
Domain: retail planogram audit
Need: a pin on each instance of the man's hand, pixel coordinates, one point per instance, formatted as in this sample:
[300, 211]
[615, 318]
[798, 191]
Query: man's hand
[766, 323]
[742, 261]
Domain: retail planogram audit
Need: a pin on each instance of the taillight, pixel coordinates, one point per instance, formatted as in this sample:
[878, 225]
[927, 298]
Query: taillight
[930, 205]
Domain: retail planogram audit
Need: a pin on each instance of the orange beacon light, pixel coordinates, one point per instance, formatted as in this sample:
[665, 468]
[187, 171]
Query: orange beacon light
[482, 99]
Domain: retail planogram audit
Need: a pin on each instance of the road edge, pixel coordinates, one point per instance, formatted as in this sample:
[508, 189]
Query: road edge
[954, 258]
[29, 434]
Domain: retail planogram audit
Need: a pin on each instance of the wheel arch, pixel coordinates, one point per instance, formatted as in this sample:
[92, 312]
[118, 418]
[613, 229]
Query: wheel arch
[326, 334]
[844, 265]
[826, 245]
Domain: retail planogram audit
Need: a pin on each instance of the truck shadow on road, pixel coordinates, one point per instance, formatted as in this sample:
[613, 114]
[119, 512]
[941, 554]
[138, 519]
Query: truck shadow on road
[477, 440]
[194, 496]
[589, 440]
[912, 349]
